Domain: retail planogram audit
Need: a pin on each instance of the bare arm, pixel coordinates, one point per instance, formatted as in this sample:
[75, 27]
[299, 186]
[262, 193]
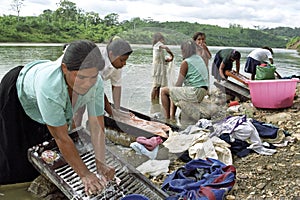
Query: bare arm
[68, 149]
[237, 64]
[107, 105]
[182, 74]
[207, 52]
[221, 68]
[168, 51]
[116, 93]
[98, 141]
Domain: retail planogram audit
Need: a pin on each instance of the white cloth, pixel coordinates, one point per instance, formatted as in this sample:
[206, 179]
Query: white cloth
[154, 167]
[214, 147]
[247, 130]
[260, 54]
[110, 72]
[178, 143]
[240, 127]
[142, 150]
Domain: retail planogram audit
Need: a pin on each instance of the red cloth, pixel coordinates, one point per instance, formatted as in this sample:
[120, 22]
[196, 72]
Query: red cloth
[150, 143]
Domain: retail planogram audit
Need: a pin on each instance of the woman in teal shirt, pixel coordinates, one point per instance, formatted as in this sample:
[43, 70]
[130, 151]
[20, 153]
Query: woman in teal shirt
[40, 98]
[192, 82]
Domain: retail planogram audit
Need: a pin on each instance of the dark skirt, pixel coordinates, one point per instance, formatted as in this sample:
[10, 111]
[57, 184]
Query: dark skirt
[250, 66]
[18, 133]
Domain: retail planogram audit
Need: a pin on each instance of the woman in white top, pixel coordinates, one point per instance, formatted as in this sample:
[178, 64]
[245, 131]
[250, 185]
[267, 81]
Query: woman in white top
[159, 72]
[257, 57]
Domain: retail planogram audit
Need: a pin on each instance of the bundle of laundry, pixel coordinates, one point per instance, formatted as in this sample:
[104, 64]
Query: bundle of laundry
[200, 179]
[242, 128]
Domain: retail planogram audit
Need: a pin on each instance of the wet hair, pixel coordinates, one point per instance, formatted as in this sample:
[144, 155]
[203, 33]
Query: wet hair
[197, 34]
[268, 48]
[82, 54]
[235, 55]
[157, 37]
[119, 46]
[188, 48]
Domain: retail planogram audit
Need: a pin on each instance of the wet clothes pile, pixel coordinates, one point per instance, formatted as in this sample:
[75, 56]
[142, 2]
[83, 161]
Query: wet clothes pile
[245, 135]
[200, 179]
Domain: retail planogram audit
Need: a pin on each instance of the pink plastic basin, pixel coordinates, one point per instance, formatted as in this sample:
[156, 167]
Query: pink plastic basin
[277, 93]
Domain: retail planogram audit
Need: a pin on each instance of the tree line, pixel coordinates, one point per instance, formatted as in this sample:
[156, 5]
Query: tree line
[68, 23]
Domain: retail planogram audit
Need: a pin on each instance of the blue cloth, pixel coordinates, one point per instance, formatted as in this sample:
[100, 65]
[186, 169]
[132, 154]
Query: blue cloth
[265, 130]
[200, 180]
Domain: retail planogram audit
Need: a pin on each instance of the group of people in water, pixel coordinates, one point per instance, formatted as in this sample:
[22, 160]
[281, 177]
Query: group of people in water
[193, 80]
[46, 99]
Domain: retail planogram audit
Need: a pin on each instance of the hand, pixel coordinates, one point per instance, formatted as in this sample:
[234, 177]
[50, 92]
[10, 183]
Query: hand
[169, 59]
[106, 171]
[93, 184]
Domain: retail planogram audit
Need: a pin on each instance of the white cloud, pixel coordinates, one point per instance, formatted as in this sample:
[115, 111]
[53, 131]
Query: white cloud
[248, 13]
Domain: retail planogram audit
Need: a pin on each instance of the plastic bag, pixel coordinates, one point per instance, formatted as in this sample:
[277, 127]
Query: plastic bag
[265, 72]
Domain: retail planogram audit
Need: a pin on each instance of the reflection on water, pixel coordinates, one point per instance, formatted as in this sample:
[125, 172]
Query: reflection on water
[137, 79]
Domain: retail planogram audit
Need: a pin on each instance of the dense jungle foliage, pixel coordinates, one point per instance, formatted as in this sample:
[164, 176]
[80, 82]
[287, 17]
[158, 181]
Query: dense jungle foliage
[69, 23]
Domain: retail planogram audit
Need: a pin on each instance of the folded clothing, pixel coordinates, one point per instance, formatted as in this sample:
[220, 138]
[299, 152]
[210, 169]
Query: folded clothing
[150, 143]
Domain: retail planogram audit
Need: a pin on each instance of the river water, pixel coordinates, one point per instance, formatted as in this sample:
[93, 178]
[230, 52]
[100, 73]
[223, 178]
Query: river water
[137, 80]
[137, 73]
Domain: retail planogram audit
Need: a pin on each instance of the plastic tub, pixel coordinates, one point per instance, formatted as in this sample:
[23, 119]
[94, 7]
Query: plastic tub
[135, 197]
[272, 94]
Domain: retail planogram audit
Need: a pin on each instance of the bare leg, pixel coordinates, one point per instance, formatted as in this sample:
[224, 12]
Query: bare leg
[165, 100]
[173, 109]
[155, 95]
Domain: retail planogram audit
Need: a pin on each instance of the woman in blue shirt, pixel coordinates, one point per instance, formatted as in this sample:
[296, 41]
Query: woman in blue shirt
[40, 98]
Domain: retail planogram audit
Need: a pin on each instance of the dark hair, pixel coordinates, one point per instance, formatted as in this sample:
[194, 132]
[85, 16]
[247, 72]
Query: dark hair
[119, 47]
[197, 34]
[188, 48]
[235, 55]
[83, 54]
[268, 48]
[157, 37]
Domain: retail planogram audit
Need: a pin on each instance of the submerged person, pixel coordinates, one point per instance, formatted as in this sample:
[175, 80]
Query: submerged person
[192, 82]
[223, 61]
[38, 102]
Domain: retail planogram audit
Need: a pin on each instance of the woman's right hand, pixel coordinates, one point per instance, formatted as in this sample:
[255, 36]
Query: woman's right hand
[93, 184]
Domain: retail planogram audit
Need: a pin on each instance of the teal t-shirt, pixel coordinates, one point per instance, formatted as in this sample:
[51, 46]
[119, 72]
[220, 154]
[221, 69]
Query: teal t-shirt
[43, 93]
[197, 75]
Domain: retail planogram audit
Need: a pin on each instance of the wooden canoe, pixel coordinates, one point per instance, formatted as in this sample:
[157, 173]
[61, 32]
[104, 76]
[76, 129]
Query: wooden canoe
[132, 130]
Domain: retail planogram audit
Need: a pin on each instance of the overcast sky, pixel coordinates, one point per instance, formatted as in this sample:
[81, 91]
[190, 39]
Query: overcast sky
[247, 13]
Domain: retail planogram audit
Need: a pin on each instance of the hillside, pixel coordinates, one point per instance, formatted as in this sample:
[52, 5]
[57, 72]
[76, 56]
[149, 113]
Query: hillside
[68, 23]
